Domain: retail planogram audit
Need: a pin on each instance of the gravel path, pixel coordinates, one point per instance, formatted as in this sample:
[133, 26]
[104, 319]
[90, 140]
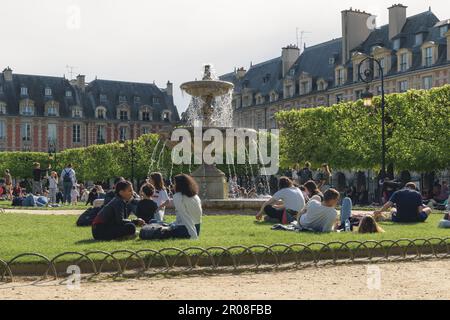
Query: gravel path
[412, 280]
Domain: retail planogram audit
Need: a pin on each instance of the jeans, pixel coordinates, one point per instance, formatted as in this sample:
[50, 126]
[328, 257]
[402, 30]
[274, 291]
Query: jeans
[108, 232]
[346, 210]
[52, 195]
[181, 232]
[67, 186]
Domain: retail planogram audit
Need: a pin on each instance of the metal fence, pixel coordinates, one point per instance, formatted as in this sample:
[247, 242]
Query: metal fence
[216, 259]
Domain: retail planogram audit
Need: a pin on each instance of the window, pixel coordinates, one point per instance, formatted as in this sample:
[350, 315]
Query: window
[305, 87]
[259, 120]
[339, 98]
[146, 115]
[52, 111]
[24, 91]
[419, 39]
[166, 116]
[428, 57]
[396, 44]
[101, 135]
[2, 108]
[331, 61]
[123, 115]
[427, 82]
[51, 132]
[68, 93]
[358, 94]
[123, 133]
[26, 131]
[2, 130]
[443, 30]
[137, 99]
[122, 99]
[145, 130]
[103, 98]
[273, 97]
[27, 110]
[77, 113]
[155, 100]
[340, 77]
[76, 133]
[101, 113]
[245, 102]
[403, 86]
[48, 92]
[403, 62]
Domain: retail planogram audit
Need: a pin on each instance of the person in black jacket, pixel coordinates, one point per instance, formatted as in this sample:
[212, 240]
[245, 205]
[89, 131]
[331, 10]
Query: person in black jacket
[147, 208]
[93, 195]
[112, 220]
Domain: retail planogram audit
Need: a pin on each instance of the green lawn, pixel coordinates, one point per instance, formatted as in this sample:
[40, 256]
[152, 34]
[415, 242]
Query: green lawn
[51, 235]
[7, 205]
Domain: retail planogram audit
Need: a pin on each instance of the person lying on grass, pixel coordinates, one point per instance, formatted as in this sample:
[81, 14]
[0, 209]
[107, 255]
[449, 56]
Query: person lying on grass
[320, 216]
[112, 220]
[293, 203]
[410, 207]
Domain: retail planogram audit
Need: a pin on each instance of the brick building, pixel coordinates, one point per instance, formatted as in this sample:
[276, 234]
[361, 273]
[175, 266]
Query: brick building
[414, 52]
[41, 111]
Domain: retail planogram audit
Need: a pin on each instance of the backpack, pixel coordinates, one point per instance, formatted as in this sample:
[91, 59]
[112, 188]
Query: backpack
[154, 232]
[66, 177]
[87, 217]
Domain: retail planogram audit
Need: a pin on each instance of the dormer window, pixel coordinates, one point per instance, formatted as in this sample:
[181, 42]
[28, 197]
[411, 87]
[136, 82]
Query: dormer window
[122, 99]
[27, 108]
[419, 39]
[68, 93]
[137, 99]
[2, 108]
[48, 92]
[396, 44]
[155, 100]
[404, 62]
[24, 91]
[52, 111]
[146, 114]
[123, 115]
[100, 113]
[166, 116]
[77, 112]
[103, 98]
[428, 56]
[443, 30]
[331, 61]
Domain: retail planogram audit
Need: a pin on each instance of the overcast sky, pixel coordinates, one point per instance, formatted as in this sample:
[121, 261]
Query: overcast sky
[149, 40]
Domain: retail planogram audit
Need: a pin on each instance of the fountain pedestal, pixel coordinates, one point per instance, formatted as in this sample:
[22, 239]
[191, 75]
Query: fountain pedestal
[211, 181]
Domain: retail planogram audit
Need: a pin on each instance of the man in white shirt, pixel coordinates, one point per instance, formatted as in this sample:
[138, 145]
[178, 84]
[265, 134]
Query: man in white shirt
[321, 217]
[293, 202]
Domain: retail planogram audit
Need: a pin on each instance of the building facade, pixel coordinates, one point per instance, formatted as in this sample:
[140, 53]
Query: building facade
[38, 113]
[413, 51]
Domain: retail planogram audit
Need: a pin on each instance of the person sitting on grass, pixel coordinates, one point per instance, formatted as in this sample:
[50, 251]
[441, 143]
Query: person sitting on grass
[112, 220]
[312, 190]
[409, 206]
[369, 225]
[147, 208]
[188, 208]
[93, 195]
[293, 203]
[321, 217]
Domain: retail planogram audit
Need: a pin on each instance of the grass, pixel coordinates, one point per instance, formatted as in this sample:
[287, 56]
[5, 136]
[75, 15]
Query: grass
[6, 204]
[51, 235]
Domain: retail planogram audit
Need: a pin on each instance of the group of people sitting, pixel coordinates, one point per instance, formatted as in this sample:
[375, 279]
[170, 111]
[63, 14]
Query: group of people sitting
[308, 208]
[113, 219]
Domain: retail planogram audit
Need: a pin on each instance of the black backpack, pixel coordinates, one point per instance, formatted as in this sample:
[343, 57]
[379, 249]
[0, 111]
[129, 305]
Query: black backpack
[87, 217]
[66, 177]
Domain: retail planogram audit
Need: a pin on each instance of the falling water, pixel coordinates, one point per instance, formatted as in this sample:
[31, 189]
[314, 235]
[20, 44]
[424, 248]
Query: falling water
[152, 159]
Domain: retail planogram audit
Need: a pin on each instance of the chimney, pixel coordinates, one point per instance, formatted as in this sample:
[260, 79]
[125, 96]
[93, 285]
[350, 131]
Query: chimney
[355, 29]
[169, 88]
[240, 73]
[81, 81]
[289, 55]
[397, 19]
[7, 74]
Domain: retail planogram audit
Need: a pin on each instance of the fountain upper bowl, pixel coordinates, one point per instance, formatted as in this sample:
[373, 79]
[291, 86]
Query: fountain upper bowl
[203, 88]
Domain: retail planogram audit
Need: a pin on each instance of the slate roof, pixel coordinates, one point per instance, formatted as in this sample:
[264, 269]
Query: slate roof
[87, 100]
[315, 60]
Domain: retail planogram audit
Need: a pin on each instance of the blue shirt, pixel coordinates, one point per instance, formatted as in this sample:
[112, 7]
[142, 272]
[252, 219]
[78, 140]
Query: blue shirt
[408, 202]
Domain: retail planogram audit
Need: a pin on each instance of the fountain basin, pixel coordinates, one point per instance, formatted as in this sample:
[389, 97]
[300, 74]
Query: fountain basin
[212, 88]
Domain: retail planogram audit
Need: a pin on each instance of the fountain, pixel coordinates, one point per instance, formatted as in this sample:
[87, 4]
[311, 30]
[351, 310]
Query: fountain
[211, 108]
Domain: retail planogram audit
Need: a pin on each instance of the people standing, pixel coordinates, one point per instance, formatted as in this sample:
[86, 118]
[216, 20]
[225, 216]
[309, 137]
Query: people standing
[53, 186]
[305, 174]
[69, 180]
[324, 178]
[8, 185]
[38, 174]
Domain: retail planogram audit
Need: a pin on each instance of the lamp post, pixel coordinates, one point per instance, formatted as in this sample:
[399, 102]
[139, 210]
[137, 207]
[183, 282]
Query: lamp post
[51, 150]
[132, 150]
[367, 76]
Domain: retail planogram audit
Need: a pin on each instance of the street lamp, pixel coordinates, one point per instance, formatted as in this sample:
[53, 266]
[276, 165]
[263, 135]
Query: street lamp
[51, 149]
[367, 76]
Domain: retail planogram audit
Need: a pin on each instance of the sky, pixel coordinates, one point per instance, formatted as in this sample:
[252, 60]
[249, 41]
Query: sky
[156, 41]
